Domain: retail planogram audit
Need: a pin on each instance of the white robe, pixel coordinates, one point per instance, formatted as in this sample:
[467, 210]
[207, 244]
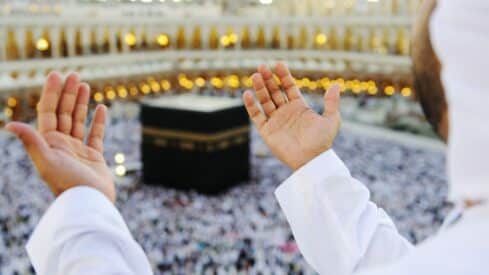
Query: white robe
[339, 231]
[83, 233]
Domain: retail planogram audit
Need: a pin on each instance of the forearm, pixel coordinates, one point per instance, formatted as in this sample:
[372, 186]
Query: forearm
[336, 226]
[83, 233]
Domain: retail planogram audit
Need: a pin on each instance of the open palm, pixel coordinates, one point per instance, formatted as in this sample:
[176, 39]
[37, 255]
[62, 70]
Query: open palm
[294, 132]
[57, 147]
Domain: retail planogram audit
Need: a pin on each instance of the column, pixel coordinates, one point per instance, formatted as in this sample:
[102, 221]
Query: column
[55, 35]
[340, 34]
[99, 34]
[205, 35]
[20, 40]
[284, 36]
[238, 31]
[3, 44]
[71, 40]
[113, 39]
[85, 39]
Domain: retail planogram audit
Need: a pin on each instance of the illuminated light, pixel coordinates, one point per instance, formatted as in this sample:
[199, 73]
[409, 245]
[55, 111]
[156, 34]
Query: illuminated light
[145, 88]
[364, 86]
[133, 90]
[233, 38]
[341, 81]
[217, 82]
[8, 112]
[155, 86]
[406, 91]
[357, 89]
[163, 40]
[232, 81]
[225, 41]
[189, 85]
[122, 91]
[186, 83]
[266, 2]
[325, 83]
[246, 81]
[182, 76]
[299, 83]
[165, 84]
[120, 171]
[98, 97]
[200, 82]
[313, 85]
[130, 39]
[12, 102]
[371, 83]
[42, 44]
[183, 82]
[372, 90]
[349, 84]
[306, 82]
[119, 158]
[389, 90]
[321, 39]
[111, 95]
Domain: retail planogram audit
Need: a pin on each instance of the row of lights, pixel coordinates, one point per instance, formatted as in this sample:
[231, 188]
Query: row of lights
[43, 44]
[233, 82]
[227, 41]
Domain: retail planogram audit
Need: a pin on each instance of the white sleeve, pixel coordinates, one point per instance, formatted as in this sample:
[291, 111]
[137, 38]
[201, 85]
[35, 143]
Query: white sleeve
[336, 226]
[83, 233]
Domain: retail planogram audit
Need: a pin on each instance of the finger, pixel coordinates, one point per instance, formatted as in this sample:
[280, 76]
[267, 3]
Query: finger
[275, 92]
[35, 145]
[254, 112]
[66, 104]
[46, 108]
[332, 101]
[97, 131]
[288, 83]
[262, 94]
[81, 111]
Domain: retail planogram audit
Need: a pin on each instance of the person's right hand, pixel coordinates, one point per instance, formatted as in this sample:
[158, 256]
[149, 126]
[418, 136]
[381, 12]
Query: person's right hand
[293, 131]
[57, 148]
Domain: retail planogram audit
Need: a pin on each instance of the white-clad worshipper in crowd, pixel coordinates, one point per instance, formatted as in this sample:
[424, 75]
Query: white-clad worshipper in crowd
[338, 229]
[82, 232]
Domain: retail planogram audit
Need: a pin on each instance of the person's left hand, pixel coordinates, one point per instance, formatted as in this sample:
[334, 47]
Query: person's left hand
[57, 148]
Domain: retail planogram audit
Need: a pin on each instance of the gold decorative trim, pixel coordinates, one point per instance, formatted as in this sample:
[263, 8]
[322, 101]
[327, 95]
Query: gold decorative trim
[192, 136]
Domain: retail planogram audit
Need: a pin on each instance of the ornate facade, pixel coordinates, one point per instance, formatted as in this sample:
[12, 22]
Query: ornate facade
[128, 45]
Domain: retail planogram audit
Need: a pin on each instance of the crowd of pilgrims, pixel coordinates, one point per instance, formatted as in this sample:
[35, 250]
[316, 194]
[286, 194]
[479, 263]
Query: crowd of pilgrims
[241, 231]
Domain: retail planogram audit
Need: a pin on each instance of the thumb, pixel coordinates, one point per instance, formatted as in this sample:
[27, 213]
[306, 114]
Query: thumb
[332, 101]
[34, 143]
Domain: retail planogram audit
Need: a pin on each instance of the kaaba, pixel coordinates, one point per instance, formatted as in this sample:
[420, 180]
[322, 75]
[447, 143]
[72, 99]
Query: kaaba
[195, 142]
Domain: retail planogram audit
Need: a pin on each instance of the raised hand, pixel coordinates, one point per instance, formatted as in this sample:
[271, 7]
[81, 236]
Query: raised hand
[293, 131]
[57, 148]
